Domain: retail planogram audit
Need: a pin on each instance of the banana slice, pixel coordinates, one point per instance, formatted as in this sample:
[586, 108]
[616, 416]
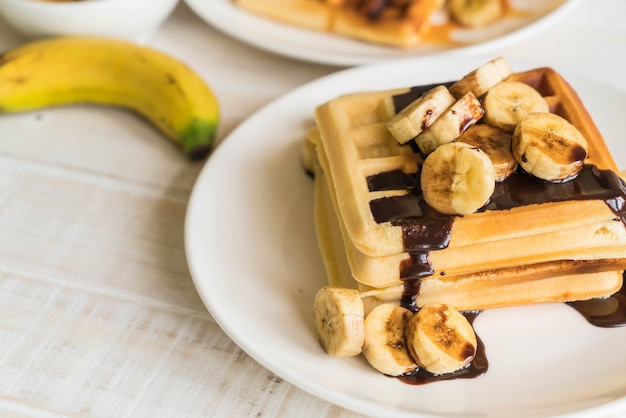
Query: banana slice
[420, 114]
[482, 78]
[496, 144]
[451, 124]
[339, 321]
[457, 179]
[384, 346]
[508, 102]
[441, 339]
[475, 13]
[549, 147]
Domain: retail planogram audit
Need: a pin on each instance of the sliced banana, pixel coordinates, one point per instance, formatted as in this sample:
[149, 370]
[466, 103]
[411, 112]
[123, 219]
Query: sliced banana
[384, 346]
[457, 179]
[549, 147]
[475, 13]
[496, 144]
[451, 124]
[482, 78]
[339, 320]
[420, 114]
[441, 339]
[508, 102]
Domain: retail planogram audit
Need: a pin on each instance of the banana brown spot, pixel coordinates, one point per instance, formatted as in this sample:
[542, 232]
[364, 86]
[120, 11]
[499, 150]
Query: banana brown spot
[426, 122]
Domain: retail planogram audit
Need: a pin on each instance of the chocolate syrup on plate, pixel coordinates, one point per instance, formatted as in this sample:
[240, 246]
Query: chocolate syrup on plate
[606, 312]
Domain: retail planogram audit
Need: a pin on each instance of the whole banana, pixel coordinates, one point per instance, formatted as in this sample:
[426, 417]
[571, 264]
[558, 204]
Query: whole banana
[102, 71]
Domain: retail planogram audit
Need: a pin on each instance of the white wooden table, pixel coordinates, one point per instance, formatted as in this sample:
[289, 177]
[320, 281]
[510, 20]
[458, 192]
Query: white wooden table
[98, 313]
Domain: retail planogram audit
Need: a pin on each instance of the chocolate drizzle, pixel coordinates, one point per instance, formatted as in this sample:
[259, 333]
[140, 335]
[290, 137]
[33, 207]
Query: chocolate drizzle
[607, 312]
[591, 183]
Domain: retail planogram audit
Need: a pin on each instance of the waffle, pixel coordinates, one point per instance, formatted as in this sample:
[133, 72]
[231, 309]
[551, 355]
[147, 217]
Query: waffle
[576, 257]
[310, 14]
[561, 281]
[396, 25]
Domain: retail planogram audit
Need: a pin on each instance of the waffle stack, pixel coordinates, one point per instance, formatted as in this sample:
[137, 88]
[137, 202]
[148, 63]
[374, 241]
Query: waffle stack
[534, 242]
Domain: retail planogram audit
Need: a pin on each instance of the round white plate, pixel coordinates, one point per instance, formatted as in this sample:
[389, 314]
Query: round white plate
[253, 255]
[325, 48]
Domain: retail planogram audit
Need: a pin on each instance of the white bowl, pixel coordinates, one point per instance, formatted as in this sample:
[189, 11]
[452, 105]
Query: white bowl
[134, 20]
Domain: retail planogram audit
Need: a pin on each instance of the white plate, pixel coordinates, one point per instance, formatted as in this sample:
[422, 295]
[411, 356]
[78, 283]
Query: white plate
[253, 256]
[319, 47]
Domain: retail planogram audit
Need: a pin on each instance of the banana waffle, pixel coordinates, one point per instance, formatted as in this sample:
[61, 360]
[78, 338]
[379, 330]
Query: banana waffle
[397, 23]
[536, 249]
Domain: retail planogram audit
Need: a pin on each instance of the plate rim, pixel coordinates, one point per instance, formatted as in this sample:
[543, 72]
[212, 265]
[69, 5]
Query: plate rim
[617, 404]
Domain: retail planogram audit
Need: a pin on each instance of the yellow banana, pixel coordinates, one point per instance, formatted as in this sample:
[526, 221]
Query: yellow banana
[75, 70]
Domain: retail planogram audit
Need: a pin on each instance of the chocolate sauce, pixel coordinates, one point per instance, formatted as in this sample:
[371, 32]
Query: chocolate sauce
[392, 180]
[591, 183]
[607, 312]
[478, 366]
[400, 101]
[423, 228]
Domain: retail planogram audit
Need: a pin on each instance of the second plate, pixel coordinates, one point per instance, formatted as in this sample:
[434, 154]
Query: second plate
[308, 45]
